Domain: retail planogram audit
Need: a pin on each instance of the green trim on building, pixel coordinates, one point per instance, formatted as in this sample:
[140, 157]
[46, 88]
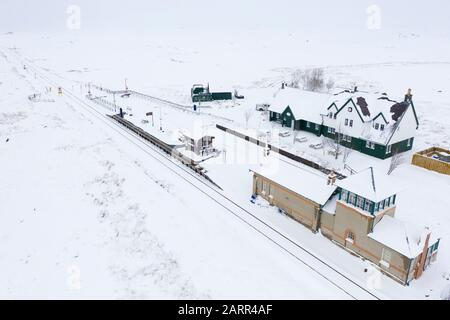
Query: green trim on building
[382, 115]
[354, 106]
[378, 151]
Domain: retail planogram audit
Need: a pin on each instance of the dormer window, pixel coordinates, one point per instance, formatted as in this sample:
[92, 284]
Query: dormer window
[358, 201]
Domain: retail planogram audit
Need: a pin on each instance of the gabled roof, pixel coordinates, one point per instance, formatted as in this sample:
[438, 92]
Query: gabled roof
[370, 107]
[404, 238]
[309, 185]
[370, 184]
[382, 116]
[305, 105]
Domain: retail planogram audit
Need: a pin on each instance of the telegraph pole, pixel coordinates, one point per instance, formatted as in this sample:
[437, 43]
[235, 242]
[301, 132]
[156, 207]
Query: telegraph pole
[160, 119]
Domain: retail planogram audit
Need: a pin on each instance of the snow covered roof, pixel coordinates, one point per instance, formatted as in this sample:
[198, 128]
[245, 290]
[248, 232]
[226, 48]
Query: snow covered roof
[374, 107]
[369, 105]
[370, 184]
[307, 184]
[407, 239]
[305, 105]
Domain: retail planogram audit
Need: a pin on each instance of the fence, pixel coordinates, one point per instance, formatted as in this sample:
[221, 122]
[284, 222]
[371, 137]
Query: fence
[105, 103]
[433, 159]
[289, 155]
[147, 97]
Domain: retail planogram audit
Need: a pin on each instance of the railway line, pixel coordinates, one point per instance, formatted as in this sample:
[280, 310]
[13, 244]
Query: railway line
[322, 268]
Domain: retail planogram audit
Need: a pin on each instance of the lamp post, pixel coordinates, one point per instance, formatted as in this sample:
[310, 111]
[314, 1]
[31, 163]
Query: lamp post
[160, 119]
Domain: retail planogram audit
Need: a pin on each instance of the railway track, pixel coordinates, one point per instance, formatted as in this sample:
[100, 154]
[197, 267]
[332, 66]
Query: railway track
[319, 266]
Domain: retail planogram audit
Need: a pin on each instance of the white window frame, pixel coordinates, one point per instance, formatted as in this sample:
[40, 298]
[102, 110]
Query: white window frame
[360, 202]
[389, 149]
[344, 195]
[351, 198]
[367, 205]
[386, 257]
[308, 124]
[351, 123]
[350, 237]
[346, 123]
[370, 145]
[317, 127]
[409, 142]
[377, 126]
[382, 127]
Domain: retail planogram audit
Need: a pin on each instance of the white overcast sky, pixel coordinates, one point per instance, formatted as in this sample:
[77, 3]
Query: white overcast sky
[50, 15]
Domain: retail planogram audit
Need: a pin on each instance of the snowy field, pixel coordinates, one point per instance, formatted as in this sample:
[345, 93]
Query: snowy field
[88, 212]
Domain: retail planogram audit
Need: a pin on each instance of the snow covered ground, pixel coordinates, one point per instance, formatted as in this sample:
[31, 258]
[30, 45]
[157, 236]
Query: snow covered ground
[87, 214]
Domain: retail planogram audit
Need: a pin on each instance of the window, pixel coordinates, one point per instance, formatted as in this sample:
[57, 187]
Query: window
[376, 207]
[331, 130]
[377, 126]
[335, 116]
[277, 115]
[346, 122]
[317, 127]
[330, 115]
[350, 236]
[360, 202]
[409, 142]
[386, 256]
[382, 127]
[288, 114]
[350, 109]
[346, 138]
[389, 149]
[344, 195]
[351, 123]
[436, 246]
[370, 145]
[351, 198]
[308, 124]
[368, 206]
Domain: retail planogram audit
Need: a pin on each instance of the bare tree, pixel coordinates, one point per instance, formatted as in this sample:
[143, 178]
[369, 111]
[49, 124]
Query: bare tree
[335, 144]
[396, 160]
[296, 78]
[315, 80]
[330, 84]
